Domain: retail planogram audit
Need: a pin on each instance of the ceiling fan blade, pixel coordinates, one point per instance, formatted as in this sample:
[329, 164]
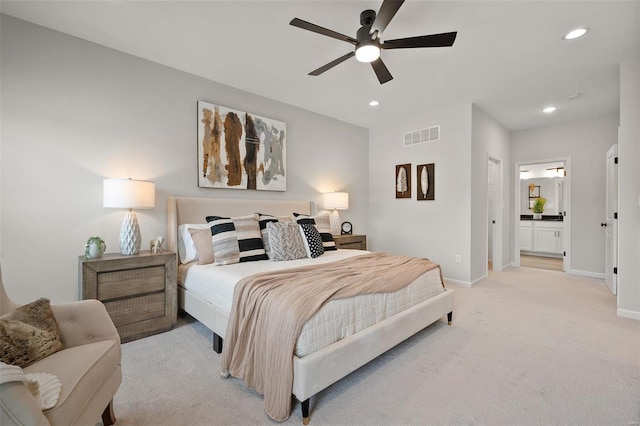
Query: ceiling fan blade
[381, 71]
[385, 14]
[321, 30]
[332, 64]
[433, 40]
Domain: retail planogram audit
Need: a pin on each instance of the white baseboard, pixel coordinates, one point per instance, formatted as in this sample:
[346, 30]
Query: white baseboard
[629, 314]
[477, 281]
[589, 274]
[462, 283]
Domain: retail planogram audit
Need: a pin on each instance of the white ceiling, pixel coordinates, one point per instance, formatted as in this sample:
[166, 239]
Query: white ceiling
[509, 57]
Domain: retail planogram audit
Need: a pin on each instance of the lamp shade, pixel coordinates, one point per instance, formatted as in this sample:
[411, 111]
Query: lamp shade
[128, 194]
[336, 200]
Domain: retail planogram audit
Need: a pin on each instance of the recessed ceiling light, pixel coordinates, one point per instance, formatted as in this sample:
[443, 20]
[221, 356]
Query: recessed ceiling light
[374, 103]
[574, 96]
[577, 33]
[549, 109]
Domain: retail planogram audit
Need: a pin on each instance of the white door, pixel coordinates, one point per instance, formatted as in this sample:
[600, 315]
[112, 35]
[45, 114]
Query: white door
[494, 213]
[611, 223]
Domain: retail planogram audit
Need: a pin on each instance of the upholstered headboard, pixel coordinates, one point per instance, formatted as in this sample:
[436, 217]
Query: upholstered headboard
[194, 210]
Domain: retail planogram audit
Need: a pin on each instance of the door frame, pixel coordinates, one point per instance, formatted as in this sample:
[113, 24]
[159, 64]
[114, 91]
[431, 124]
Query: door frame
[498, 203]
[566, 235]
[611, 223]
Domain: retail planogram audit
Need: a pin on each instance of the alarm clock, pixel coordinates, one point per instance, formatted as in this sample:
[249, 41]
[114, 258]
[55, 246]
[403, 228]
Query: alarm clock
[346, 228]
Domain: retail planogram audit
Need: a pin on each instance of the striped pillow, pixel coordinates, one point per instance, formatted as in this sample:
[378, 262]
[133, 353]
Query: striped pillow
[322, 221]
[236, 239]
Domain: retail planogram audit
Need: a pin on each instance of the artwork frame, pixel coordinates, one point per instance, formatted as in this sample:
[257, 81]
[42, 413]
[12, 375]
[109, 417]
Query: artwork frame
[534, 191]
[425, 177]
[403, 180]
[238, 150]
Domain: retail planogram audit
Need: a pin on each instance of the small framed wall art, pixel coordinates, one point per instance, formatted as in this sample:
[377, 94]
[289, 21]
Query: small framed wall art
[403, 181]
[425, 173]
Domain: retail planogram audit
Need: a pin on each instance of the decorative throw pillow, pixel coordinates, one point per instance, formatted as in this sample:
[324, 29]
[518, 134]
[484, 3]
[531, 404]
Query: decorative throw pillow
[312, 240]
[236, 239]
[203, 244]
[29, 334]
[286, 241]
[263, 220]
[322, 221]
[186, 247]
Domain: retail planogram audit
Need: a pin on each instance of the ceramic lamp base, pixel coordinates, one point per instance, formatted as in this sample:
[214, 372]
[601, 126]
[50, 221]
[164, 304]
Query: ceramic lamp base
[335, 222]
[130, 238]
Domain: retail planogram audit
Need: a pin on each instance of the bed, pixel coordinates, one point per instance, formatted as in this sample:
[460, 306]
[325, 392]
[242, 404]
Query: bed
[314, 368]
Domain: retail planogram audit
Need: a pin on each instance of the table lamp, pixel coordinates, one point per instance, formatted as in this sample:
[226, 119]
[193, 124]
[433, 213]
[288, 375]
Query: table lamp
[336, 201]
[129, 194]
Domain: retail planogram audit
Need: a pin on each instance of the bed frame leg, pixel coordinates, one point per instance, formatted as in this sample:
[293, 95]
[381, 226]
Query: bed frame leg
[217, 343]
[305, 411]
[449, 317]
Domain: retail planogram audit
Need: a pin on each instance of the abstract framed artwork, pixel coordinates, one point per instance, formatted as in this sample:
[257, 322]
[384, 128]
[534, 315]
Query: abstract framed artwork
[425, 174]
[238, 150]
[403, 180]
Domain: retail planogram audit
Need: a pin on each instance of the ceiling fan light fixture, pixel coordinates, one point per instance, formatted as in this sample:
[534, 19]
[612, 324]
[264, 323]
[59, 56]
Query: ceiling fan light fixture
[577, 33]
[367, 52]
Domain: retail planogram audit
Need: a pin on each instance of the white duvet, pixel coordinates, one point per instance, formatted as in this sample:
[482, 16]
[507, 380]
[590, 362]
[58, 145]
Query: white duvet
[334, 321]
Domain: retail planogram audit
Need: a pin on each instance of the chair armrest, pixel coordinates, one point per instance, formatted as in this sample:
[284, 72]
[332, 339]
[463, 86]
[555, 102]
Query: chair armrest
[83, 322]
[18, 407]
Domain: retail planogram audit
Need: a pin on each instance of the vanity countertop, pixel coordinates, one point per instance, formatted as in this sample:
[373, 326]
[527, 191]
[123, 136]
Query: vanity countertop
[545, 217]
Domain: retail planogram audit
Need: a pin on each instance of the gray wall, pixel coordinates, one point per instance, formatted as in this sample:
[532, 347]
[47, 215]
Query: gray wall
[489, 139]
[586, 142]
[74, 112]
[629, 192]
[438, 229]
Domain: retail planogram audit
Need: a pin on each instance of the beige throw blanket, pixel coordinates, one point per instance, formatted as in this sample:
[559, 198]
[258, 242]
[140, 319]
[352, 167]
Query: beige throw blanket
[270, 309]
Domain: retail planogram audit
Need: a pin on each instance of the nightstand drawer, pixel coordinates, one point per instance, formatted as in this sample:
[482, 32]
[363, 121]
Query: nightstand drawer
[351, 241]
[116, 284]
[136, 309]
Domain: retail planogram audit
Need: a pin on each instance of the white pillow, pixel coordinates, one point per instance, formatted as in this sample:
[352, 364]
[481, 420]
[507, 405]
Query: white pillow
[186, 247]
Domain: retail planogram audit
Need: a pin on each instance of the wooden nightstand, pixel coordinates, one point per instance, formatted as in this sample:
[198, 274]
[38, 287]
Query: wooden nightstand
[351, 241]
[139, 291]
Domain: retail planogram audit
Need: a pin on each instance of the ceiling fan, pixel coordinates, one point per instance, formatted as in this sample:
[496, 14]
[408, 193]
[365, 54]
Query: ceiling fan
[368, 43]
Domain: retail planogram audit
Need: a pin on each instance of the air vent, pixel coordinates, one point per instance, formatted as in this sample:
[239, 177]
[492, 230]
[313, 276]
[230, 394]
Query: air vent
[431, 134]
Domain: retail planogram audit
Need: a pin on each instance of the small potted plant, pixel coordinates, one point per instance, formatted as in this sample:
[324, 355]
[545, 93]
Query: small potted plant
[94, 247]
[538, 207]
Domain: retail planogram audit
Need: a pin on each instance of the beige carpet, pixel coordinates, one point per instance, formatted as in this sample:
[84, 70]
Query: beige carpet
[527, 347]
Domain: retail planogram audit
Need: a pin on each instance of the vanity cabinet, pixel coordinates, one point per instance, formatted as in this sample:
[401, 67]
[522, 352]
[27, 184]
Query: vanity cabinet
[541, 236]
[526, 235]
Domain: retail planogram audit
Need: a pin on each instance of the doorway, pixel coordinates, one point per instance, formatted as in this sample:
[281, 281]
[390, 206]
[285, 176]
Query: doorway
[542, 214]
[494, 215]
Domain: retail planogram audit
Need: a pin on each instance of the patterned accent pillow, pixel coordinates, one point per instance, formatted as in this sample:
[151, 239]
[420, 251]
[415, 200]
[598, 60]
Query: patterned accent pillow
[322, 221]
[29, 334]
[312, 239]
[286, 241]
[263, 220]
[203, 243]
[236, 239]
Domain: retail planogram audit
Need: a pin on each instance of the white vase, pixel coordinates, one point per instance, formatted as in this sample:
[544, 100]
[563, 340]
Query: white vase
[537, 215]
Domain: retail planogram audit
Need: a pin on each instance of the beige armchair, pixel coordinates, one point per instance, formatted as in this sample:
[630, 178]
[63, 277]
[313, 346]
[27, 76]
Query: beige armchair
[88, 368]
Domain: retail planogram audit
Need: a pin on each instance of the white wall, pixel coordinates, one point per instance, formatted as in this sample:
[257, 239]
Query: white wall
[74, 112]
[437, 229]
[586, 142]
[488, 139]
[629, 192]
